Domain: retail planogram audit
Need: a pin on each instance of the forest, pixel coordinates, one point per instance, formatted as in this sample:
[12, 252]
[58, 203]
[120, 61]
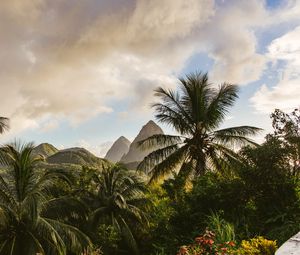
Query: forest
[207, 190]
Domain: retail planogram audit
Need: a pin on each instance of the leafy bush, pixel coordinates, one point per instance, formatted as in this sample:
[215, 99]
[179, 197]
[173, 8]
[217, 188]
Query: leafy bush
[224, 230]
[207, 245]
[257, 246]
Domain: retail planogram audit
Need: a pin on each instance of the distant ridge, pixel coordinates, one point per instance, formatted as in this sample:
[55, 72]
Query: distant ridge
[136, 154]
[77, 156]
[45, 149]
[119, 148]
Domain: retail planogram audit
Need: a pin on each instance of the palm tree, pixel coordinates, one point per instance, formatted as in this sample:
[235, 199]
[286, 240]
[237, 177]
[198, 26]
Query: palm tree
[26, 202]
[119, 200]
[3, 124]
[195, 111]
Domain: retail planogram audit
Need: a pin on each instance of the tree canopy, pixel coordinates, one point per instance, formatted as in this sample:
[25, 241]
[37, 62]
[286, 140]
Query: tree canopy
[196, 111]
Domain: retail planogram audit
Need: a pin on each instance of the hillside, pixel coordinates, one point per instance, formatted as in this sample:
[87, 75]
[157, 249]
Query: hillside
[45, 149]
[77, 156]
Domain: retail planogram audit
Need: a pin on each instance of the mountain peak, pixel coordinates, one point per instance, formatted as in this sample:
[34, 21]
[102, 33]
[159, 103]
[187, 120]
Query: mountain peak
[135, 153]
[45, 149]
[150, 122]
[123, 138]
[119, 148]
[149, 129]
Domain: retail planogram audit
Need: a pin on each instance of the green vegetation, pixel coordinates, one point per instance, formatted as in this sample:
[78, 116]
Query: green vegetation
[77, 156]
[3, 124]
[195, 111]
[118, 201]
[45, 150]
[214, 198]
[27, 201]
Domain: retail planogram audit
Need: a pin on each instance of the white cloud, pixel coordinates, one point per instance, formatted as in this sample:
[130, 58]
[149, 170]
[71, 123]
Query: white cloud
[99, 150]
[286, 93]
[232, 43]
[70, 59]
[49, 125]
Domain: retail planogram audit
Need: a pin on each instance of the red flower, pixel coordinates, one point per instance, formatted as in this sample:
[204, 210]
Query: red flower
[210, 241]
[231, 243]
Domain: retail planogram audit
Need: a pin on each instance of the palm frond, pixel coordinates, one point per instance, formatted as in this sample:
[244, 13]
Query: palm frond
[159, 141]
[168, 164]
[74, 239]
[4, 124]
[127, 234]
[239, 130]
[236, 136]
[156, 157]
[171, 111]
[196, 96]
[220, 103]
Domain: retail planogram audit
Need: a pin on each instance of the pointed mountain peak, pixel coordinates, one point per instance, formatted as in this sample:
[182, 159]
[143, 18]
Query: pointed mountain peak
[122, 139]
[151, 122]
[135, 153]
[149, 129]
[119, 148]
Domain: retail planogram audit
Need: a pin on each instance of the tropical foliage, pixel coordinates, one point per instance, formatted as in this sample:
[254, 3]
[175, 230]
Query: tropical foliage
[118, 201]
[3, 124]
[26, 201]
[207, 244]
[244, 199]
[257, 246]
[195, 111]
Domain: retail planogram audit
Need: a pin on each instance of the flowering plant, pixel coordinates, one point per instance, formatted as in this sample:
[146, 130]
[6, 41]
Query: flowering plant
[206, 245]
[257, 246]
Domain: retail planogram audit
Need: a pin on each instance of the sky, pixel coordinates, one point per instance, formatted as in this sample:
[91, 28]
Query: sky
[82, 73]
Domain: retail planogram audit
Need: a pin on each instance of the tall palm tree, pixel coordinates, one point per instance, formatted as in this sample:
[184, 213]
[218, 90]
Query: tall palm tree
[25, 203]
[195, 111]
[3, 124]
[119, 200]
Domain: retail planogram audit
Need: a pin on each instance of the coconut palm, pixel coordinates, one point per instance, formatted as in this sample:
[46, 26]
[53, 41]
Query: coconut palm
[119, 200]
[195, 111]
[3, 124]
[26, 202]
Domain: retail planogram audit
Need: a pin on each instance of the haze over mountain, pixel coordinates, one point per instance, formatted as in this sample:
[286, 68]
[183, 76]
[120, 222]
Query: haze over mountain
[136, 154]
[119, 148]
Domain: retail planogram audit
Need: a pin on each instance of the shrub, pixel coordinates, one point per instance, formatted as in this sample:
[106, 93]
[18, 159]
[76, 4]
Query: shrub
[257, 246]
[224, 230]
[207, 245]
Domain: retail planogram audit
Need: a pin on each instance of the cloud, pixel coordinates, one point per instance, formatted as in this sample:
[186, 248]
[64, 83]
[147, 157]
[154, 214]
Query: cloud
[232, 43]
[71, 59]
[286, 93]
[99, 150]
[49, 125]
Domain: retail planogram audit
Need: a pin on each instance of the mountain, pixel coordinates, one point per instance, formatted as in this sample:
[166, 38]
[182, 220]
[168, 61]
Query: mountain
[76, 156]
[136, 154]
[45, 149]
[119, 148]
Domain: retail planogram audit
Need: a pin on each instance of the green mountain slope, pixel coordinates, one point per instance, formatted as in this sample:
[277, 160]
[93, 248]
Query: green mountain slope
[45, 149]
[77, 156]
